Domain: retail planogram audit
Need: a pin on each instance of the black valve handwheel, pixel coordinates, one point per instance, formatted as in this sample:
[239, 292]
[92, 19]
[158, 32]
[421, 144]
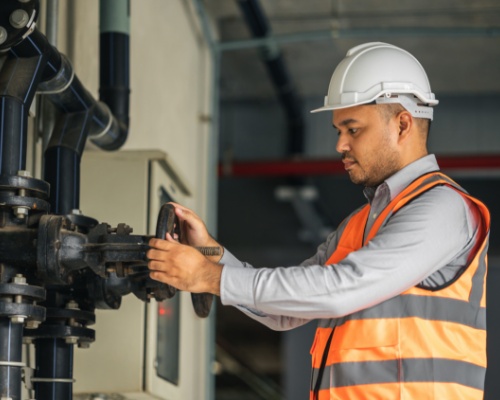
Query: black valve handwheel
[202, 303]
[166, 224]
[169, 223]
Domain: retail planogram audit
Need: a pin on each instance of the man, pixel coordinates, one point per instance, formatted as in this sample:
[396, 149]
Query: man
[399, 287]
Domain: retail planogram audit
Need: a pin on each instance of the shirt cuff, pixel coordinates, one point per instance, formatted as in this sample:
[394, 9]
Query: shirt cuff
[229, 259]
[236, 285]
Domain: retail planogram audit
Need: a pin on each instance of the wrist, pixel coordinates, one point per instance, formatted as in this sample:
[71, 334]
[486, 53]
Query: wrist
[214, 279]
[212, 243]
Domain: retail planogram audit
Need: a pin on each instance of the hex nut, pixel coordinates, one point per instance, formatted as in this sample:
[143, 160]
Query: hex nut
[18, 319]
[24, 172]
[20, 211]
[71, 340]
[19, 18]
[19, 279]
[3, 35]
[32, 324]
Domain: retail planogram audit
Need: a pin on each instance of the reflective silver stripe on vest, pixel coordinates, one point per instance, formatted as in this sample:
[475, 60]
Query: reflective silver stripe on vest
[427, 307]
[404, 370]
[479, 277]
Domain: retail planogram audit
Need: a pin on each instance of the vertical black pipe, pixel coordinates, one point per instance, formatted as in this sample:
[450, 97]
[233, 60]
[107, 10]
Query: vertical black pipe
[62, 158]
[114, 76]
[54, 357]
[62, 171]
[13, 121]
[54, 366]
[10, 353]
[25, 66]
[114, 62]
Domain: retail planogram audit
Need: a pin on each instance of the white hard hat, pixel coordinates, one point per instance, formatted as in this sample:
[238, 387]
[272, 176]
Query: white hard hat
[381, 73]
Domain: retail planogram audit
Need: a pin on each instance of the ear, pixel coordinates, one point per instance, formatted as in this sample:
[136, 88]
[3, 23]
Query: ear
[405, 124]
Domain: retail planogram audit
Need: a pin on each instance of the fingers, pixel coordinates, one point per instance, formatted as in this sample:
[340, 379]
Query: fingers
[161, 277]
[163, 244]
[156, 265]
[182, 211]
[163, 259]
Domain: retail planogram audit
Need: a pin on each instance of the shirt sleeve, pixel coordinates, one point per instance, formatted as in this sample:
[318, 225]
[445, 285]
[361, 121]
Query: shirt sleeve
[430, 233]
[241, 269]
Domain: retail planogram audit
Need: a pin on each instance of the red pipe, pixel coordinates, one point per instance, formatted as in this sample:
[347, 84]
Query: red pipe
[302, 167]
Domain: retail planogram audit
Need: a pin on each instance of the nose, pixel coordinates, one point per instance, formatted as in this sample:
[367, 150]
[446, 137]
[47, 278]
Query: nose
[342, 143]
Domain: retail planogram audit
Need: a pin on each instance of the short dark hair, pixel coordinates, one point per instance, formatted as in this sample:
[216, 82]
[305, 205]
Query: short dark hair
[390, 110]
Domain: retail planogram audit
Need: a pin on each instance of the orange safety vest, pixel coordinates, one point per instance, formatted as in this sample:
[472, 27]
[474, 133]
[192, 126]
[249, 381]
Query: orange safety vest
[423, 344]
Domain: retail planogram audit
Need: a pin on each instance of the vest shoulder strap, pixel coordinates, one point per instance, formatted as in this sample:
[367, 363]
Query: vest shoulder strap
[352, 237]
[417, 187]
[350, 240]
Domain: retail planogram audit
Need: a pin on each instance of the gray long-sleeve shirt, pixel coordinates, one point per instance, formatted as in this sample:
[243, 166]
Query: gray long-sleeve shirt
[427, 242]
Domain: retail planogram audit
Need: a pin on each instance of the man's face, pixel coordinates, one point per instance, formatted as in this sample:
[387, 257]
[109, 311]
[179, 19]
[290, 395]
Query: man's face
[368, 142]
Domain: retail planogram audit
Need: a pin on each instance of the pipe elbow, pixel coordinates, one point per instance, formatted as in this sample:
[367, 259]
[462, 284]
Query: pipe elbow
[113, 135]
[61, 81]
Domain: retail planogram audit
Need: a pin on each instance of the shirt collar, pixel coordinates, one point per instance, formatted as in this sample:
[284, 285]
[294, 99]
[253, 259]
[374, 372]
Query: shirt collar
[401, 179]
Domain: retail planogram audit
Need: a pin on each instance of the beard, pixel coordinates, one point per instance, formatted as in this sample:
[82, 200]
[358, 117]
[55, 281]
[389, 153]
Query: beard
[375, 168]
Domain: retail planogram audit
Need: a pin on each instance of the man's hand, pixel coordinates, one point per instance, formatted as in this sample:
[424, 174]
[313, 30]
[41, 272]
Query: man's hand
[183, 267]
[193, 230]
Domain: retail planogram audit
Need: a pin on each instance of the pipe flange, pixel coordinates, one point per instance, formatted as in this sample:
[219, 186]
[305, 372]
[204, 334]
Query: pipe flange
[17, 21]
[30, 203]
[35, 293]
[21, 311]
[46, 331]
[34, 187]
[71, 316]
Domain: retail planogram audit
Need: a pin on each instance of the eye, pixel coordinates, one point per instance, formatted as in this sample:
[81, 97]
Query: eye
[352, 131]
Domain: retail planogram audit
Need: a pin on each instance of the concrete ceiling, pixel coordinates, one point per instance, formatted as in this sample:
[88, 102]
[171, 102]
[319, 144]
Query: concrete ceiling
[457, 42]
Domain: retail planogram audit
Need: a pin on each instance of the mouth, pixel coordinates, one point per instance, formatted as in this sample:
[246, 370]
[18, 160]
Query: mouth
[348, 163]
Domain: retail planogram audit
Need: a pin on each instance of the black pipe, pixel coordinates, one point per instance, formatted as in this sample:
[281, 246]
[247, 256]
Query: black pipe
[114, 79]
[13, 120]
[24, 67]
[54, 357]
[37, 45]
[10, 358]
[57, 80]
[54, 366]
[68, 94]
[63, 155]
[62, 171]
[114, 63]
[276, 67]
